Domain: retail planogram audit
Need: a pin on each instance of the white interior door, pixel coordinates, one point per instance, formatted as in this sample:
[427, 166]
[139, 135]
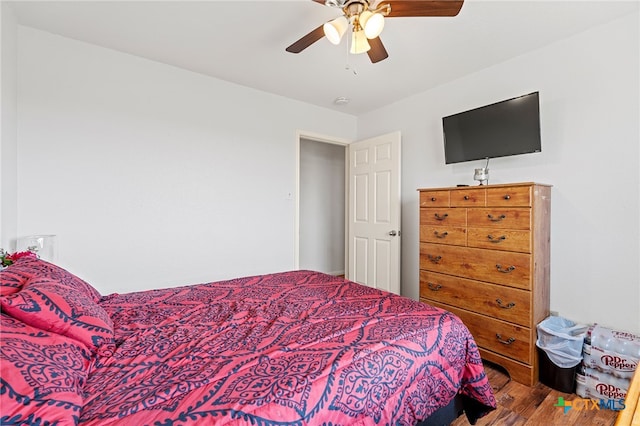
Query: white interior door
[374, 212]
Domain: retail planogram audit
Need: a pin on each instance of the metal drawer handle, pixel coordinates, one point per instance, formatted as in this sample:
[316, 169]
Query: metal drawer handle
[439, 235]
[505, 342]
[496, 219]
[434, 259]
[466, 197]
[443, 217]
[433, 198]
[496, 240]
[505, 270]
[507, 306]
[434, 287]
[507, 197]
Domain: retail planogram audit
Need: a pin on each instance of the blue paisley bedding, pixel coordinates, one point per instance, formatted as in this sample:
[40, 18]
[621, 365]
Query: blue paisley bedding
[293, 348]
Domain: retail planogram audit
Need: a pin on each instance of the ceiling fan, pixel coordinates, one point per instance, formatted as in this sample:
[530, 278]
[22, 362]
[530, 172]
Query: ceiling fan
[366, 20]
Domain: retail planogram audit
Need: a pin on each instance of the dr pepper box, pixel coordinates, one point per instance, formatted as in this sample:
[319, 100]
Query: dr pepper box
[610, 351]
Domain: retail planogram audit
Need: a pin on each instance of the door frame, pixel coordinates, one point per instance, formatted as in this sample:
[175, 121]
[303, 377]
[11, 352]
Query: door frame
[300, 134]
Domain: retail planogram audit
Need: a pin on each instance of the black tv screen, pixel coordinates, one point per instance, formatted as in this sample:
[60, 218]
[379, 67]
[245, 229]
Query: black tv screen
[504, 128]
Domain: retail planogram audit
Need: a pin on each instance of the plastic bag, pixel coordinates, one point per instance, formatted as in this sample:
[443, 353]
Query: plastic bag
[562, 340]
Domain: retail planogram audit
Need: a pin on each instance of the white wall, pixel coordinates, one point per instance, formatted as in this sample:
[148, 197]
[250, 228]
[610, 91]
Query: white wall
[8, 129]
[155, 176]
[322, 206]
[590, 136]
[151, 175]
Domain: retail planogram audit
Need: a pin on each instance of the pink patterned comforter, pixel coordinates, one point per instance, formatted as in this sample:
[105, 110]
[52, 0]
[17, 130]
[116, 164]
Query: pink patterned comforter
[283, 349]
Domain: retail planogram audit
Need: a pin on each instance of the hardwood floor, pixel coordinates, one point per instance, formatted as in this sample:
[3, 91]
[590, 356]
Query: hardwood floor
[532, 406]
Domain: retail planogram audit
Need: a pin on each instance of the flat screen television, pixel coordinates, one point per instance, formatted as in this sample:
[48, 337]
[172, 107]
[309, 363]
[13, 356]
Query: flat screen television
[509, 127]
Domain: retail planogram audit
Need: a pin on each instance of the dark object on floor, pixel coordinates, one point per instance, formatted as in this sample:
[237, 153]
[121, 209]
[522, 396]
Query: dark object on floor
[558, 378]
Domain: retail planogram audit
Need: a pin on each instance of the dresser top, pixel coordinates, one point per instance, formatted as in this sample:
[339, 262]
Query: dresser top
[501, 185]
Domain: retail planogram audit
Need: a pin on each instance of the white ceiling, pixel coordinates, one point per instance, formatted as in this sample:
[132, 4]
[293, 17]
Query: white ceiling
[244, 41]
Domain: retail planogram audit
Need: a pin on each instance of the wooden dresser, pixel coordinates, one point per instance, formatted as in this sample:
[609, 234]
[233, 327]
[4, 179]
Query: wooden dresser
[484, 255]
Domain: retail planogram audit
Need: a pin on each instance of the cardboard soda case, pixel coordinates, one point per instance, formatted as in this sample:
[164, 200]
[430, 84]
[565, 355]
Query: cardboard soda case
[610, 351]
[596, 384]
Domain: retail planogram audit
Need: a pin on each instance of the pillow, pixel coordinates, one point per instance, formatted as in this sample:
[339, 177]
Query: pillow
[51, 306]
[41, 375]
[12, 280]
[38, 268]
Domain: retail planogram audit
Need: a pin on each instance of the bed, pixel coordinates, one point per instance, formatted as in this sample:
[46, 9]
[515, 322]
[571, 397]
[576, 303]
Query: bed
[290, 348]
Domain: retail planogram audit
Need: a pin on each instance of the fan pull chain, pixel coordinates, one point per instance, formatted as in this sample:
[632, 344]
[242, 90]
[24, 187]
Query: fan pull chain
[347, 66]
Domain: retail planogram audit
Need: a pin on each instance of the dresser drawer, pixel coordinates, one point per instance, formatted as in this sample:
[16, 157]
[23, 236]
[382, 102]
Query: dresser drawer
[493, 266]
[443, 235]
[499, 239]
[468, 197]
[509, 196]
[434, 198]
[505, 303]
[498, 336]
[443, 217]
[499, 218]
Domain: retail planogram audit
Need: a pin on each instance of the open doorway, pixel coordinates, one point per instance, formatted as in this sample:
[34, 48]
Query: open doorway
[322, 207]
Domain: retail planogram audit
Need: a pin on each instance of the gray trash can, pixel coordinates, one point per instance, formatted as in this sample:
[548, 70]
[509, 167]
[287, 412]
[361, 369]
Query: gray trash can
[560, 352]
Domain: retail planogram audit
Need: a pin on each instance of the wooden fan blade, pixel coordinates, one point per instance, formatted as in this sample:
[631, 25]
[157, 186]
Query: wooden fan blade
[306, 41]
[401, 8]
[377, 52]
[319, 1]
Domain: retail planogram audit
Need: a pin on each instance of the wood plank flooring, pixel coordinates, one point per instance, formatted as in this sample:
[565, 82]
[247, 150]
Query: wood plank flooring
[532, 406]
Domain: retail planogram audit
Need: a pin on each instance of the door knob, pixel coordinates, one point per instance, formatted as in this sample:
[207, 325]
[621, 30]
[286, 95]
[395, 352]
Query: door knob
[393, 233]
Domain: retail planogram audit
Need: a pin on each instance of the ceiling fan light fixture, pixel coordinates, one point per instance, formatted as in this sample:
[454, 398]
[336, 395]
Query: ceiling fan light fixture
[372, 23]
[365, 19]
[334, 30]
[359, 43]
